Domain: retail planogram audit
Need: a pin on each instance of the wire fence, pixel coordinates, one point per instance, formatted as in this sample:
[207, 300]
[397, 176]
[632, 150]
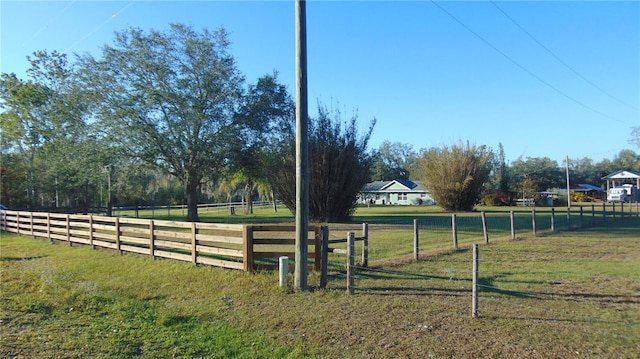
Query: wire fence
[393, 238]
[548, 284]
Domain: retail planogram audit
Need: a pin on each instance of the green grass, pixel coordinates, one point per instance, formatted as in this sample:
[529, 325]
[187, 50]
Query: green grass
[570, 294]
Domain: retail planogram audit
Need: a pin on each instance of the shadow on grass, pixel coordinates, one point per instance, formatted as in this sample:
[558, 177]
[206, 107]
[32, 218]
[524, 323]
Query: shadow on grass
[395, 291]
[627, 226]
[18, 259]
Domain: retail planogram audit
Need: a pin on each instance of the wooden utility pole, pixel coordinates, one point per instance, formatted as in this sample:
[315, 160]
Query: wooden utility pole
[302, 150]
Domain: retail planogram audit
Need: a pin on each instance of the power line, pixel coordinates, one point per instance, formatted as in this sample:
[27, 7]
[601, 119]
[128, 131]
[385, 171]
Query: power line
[564, 63]
[46, 24]
[106, 21]
[513, 61]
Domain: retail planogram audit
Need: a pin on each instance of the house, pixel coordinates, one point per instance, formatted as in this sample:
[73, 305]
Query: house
[592, 193]
[401, 192]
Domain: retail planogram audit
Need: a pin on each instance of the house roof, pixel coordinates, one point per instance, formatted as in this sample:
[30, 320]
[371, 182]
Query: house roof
[394, 186]
[623, 174]
[585, 187]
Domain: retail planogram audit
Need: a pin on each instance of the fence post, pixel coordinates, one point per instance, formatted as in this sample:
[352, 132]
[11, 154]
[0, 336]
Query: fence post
[416, 240]
[569, 218]
[581, 217]
[68, 224]
[593, 214]
[117, 225]
[533, 222]
[247, 237]
[31, 225]
[474, 295]
[152, 244]
[49, 228]
[317, 248]
[485, 231]
[614, 211]
[283, 265]
[90, 232]
[604, 211]
[350, 261]
[621, 210]
[365, 244]
[194, 243]
[324, 260]
[18, 222]
[513, 225]
[454, 229]
[553, 220]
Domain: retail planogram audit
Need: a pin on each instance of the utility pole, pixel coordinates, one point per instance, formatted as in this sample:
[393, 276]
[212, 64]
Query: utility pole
[302, 150]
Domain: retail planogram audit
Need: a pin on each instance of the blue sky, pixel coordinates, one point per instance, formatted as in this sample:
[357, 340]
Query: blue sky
[544, 78]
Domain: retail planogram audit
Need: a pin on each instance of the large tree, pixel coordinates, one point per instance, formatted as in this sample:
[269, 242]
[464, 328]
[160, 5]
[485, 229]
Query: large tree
[455, 175]
[538, 173]
[45, 123]
[627, 160]
[268, 106]
[170, 99]
[391, 161]
[498, 188]
[339, 166]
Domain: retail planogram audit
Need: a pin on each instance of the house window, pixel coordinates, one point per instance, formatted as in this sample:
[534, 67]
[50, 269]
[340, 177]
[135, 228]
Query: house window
[402, 196]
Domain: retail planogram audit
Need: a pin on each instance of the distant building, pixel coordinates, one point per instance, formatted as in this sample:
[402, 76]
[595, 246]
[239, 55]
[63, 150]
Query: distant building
[592, 193]
[629, 180]
[400, 192]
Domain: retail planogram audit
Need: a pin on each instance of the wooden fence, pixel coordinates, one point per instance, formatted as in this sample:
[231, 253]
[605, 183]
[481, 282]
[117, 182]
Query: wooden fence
[234, 246]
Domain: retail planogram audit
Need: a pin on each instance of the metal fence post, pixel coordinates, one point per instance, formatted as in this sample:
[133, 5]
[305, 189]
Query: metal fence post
[454, 229]
[416, 241]
[474, 295]
[533, 222]
[324, 260]
[513, 225]
[365, 244]
[485, 231]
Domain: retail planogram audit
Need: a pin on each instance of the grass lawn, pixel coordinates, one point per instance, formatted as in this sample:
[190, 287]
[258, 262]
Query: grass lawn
[569, 294]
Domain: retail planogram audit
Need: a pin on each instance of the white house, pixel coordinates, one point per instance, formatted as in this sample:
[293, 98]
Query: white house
[402, 192]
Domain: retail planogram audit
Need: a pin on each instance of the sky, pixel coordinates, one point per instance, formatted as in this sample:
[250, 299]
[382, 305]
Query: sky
[541, 78]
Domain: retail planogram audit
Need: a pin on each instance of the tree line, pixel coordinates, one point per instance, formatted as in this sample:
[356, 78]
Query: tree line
[463, 175]
[166, 117]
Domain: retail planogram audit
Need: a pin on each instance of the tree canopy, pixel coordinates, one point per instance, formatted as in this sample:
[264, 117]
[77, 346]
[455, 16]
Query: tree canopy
[455, 175]
[45, 126]
[339, 166]
[166, 117]
[170, 99]
[391, 161]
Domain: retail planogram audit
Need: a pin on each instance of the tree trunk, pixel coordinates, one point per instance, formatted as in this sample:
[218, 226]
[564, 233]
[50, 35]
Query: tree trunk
[273, 197]
[192, 201]
[249, 209]
[248, 196]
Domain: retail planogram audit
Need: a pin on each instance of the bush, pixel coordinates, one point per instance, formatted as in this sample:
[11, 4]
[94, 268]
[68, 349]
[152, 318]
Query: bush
[455, 176]
[339, 167]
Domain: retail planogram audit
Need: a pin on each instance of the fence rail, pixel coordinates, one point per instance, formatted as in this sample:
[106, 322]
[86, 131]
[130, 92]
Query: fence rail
[234, 246]
[251, 247]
